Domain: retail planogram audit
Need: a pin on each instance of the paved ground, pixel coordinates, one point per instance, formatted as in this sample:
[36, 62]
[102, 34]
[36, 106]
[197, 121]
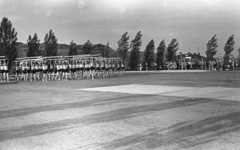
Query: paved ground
[157, 110]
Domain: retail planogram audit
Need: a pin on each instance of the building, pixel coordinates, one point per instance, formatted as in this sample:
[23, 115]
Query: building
[191, 60]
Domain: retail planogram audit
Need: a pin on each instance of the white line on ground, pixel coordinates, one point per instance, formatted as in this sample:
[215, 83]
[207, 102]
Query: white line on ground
[223, 93]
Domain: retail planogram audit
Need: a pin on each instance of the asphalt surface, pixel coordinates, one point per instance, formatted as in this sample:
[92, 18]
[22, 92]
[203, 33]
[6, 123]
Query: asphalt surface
[153, 110]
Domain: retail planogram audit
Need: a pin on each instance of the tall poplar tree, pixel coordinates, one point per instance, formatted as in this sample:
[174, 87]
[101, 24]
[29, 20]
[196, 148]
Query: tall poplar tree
[161, 51]
[87, 47]
[228, 48]
[135, 54]
[8, 39]
[211, 48]
[72, 49]
[123, 46]
[33, 45]
[172, 50]
[51, 44]
[149, 54]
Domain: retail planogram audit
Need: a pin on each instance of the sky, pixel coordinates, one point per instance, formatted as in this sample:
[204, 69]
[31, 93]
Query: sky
[191, 22]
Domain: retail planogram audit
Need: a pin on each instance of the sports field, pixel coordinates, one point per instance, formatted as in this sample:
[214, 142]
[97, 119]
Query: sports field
[155, 110]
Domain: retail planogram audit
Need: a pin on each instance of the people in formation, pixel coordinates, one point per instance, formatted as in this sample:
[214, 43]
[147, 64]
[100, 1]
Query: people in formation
[64, 70]
[4, 72]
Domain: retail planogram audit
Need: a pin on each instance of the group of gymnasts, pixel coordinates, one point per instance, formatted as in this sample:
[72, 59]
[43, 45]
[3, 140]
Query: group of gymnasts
[47, 70]
[4, 77]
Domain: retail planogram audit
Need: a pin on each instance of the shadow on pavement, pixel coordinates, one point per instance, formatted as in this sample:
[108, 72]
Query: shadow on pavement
[184, 135]
[88, 103]
[104, 117]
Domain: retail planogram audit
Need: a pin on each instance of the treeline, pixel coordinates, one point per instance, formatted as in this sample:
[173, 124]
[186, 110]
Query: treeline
[164, 53]
[167, 53]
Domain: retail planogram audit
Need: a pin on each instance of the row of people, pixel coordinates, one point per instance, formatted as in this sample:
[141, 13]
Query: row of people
[63, 70]
[4, 72]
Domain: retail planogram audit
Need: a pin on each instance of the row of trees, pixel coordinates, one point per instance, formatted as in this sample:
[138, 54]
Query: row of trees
[163, 53]
[212, 46]
[8, 39]
[51, 44]
[166, 54]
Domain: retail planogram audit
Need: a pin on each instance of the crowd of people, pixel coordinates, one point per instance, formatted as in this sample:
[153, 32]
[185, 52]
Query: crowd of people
[4, 72]
[64, 69]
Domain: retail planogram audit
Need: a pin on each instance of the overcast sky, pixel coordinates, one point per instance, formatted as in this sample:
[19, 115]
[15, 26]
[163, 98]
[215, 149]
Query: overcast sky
[191, 22]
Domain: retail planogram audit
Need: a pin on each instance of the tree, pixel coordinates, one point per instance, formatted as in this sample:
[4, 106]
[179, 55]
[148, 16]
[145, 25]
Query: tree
[172, 50]
[135, 54]
[8, 39]
[161, 50]
[72, 49]
[106, 51]
[87, 47]
[211, 49]
[51, 44]
[33, 45]
[228, 48]
[149, 54]
[123, 46]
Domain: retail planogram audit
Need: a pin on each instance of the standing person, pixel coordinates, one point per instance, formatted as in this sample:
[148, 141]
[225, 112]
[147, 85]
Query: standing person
[1, 71]
[107, 68]
[44, 72]
[51, 73]
[146, 66]
[58, 77]
[119, 67]
[209, 65]
[92, 69]
[102, 71]
[37, 71]
[78, 70]
[30, 71]
[155, 66]
[27, 71]
[48, 63]
[87, 68]
[24, 69]
[61, 70]
[113, 68]
[140, 66]
[17, 71]
[40, 68]
[6, 72]
[74, 70]
[97, 69]
[65, 71]
[33, 69]
[182, 65]
[58, 70]
[174, 65]
[54, 70]
[116, 67]
[185, 65]
[81, 69]
[70, 70]
[122, 67]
